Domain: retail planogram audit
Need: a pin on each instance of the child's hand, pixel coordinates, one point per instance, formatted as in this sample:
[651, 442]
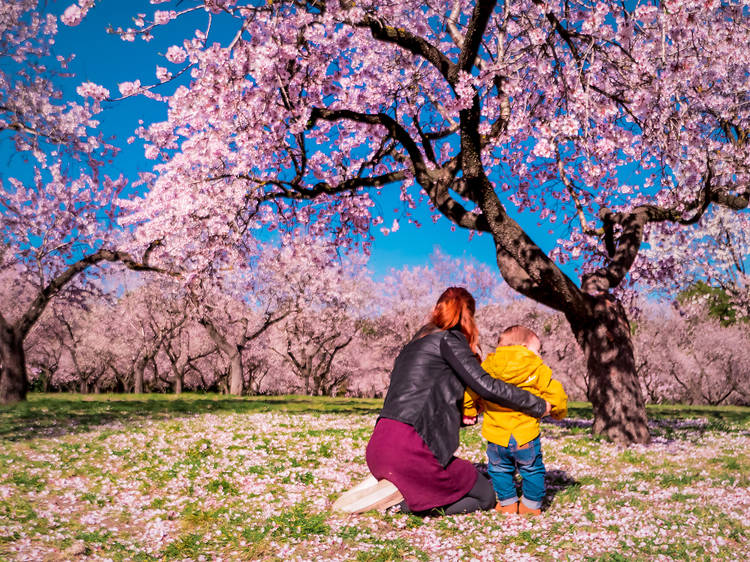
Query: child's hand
[470, 420]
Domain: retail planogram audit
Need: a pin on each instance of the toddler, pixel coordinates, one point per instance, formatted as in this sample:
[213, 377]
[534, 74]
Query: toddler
[514, 438]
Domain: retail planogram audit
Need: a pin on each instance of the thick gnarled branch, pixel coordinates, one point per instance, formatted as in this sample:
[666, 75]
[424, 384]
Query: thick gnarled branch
[413, 43]
[434, 182]
[39, 304]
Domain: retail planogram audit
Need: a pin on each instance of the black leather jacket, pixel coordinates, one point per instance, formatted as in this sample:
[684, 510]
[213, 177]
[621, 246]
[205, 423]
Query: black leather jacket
[427, 388]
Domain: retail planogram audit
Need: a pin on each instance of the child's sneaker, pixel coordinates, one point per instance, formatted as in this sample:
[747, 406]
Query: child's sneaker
[510, 509]
[524, 510]
[367, 495]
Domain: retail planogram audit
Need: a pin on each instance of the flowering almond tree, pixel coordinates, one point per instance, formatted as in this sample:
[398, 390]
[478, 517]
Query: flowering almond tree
[690, 357]
[57, 214]
[328, 301]
[232, 326]
[718, 256]
[614, 119]
[406, 296]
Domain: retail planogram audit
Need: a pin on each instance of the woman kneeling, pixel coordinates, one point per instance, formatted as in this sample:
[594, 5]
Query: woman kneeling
[417, 431]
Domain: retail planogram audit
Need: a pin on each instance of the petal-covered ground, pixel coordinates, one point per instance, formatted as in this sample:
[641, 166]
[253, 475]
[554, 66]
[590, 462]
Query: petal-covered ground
[236, 485]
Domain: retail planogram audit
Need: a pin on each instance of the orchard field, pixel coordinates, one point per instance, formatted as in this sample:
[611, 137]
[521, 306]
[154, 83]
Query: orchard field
[207, 477]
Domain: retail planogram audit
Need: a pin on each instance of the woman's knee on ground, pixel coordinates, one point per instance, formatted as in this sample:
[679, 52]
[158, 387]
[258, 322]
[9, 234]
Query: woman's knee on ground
[484, 492]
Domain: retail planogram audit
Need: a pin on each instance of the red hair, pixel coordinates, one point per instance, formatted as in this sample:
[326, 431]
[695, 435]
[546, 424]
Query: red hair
[456, 307]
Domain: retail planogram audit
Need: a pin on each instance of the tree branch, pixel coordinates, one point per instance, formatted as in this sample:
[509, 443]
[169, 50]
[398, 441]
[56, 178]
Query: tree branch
[42, 299]
[434, 182]
[474, 33]
[412, 43]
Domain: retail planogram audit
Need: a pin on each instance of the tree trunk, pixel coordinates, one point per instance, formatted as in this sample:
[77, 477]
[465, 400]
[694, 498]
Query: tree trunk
[614, 389]
[138, 369]
[13, 383]
[318, 389]
[178, 383]
[235, 374]
[307, 377]
[233, 353]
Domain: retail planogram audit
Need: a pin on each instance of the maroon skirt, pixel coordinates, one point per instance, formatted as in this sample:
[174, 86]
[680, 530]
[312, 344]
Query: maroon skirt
[397, 453]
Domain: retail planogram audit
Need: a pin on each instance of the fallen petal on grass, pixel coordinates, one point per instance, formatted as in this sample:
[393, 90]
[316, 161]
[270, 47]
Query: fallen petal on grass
[240, 482]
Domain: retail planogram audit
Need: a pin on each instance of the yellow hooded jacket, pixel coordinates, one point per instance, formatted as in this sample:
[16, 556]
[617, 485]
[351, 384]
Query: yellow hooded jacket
[517, 365]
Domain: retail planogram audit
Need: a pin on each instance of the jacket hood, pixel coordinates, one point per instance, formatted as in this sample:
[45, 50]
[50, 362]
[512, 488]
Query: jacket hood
[513, 363]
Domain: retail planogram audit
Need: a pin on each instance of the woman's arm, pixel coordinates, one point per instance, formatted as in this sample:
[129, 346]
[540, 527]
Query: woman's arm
[456, 351]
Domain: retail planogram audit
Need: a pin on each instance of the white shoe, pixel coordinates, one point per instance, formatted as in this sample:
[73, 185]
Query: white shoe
[367, 495]
[352, 495]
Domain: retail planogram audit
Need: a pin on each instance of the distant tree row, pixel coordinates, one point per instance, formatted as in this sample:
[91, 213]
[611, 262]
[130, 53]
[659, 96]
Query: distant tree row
[330, 329]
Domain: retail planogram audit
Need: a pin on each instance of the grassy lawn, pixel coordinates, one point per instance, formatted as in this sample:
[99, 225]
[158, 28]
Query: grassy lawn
[154, 477]
[57, 414]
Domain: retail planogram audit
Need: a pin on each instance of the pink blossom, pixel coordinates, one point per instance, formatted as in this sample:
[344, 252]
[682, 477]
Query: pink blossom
[129, 88]
[99, 93]
[151, 152]
[162, 74]
[544, 148]
[162, 17]
[72, 15]
[176, 54]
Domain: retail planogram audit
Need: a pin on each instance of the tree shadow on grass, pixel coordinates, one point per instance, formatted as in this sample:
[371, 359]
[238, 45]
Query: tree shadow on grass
[664, 420]
[671, 423]
[555, 481]
[729, 414]
[54, 415]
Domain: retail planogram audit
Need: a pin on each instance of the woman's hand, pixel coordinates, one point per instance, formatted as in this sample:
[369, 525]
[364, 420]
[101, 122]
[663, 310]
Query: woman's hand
[548, 411]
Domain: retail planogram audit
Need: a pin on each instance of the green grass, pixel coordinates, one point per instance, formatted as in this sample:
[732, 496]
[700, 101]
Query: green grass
[726, 414]
[299, 522]
[52, 415]
[253, 478]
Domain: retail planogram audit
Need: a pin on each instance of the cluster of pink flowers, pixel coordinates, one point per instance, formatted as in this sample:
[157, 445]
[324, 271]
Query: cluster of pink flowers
[74, 14]
[95, 91]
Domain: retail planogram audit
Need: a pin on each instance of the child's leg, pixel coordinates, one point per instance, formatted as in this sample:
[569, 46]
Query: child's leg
[531, 468]
[501, 468]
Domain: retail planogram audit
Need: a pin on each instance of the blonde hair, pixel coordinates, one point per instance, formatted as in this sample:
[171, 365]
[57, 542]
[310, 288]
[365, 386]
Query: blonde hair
[518, 335]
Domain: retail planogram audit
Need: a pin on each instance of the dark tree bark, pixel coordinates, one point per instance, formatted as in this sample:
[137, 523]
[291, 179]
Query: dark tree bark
[13, 382]
[614, 389]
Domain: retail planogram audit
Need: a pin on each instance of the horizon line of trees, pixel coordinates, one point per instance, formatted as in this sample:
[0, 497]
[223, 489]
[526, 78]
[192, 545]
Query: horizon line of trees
[333, 330]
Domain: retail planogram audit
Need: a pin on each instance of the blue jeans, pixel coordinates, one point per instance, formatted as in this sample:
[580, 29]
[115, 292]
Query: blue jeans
[503, 462]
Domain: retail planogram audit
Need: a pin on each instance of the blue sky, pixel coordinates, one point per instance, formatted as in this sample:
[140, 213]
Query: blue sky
[107, 60]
